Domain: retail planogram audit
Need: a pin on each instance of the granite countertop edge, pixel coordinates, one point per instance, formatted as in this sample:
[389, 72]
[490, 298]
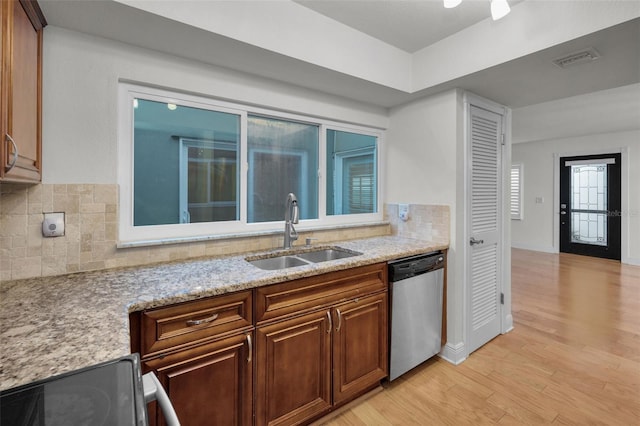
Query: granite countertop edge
[52, 325]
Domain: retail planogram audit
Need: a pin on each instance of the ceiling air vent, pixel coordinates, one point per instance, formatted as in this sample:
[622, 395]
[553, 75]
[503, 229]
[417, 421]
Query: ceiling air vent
[576, 58]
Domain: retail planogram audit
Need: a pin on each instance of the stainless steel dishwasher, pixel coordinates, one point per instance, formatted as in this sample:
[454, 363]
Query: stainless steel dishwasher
[416, 310]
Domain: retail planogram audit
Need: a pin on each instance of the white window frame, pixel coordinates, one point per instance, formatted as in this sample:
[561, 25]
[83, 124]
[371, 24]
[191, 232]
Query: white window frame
[353, 218]
[519, 214]
[131, 236]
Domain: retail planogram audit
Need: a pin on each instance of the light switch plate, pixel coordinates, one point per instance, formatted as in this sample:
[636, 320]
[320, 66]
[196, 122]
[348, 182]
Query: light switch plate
[53, 225]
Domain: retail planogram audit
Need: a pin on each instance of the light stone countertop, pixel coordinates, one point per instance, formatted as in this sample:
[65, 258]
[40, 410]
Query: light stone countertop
[52, 325]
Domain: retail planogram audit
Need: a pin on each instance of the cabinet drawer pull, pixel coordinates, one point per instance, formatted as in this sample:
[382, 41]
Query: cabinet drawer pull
[250, 347]
[339, 319]
[192, 323]
[330, 322]
[15, 153]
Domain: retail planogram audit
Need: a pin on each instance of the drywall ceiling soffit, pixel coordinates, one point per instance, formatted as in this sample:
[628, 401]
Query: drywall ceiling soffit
[605, 111]
[129, 25]
[511, 83]
[534, 79]
[409, 25]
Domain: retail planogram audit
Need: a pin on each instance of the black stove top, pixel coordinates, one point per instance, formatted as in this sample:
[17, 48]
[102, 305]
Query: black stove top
[109, 393]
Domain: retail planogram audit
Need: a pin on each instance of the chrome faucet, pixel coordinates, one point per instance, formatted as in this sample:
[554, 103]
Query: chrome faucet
[291, 214]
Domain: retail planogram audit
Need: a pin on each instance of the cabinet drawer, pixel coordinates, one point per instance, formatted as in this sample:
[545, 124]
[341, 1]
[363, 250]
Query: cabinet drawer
[307, 294]
[191, 322]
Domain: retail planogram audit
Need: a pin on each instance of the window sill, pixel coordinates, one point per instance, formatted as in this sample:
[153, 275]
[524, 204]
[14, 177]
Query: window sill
[217, 237]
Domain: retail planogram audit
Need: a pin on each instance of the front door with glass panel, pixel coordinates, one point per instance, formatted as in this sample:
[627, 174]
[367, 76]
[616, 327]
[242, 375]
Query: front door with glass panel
[590, 205]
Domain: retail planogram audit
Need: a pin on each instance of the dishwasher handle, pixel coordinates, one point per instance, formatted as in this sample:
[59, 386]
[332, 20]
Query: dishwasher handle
[153, 391]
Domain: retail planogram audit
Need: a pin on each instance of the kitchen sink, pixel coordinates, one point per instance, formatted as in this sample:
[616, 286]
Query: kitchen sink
[325, 255]
[300, 257]
[278, 262]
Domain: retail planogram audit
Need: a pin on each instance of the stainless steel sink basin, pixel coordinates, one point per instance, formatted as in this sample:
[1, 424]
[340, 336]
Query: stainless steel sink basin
[300, 257]
[324, 255]
[279, 262]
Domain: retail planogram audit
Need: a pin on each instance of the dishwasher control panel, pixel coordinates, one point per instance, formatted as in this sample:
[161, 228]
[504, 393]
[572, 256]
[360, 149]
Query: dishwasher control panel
[415, 265]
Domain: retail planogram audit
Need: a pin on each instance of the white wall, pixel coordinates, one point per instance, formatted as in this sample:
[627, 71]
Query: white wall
[421, 153]
[81, 74]
[424, 167]
[80, 92]
[536, 231]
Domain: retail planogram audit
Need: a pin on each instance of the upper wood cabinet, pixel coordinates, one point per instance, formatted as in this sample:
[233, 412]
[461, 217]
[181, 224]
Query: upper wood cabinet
[21, 87]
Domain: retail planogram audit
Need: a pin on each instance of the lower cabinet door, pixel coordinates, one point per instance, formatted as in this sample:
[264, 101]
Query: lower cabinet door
[210, 384]
[293, 365]
[360, 346]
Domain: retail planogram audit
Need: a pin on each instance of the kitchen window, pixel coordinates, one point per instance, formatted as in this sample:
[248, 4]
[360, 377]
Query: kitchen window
[351, 173]
[283, 158]
[193, 168]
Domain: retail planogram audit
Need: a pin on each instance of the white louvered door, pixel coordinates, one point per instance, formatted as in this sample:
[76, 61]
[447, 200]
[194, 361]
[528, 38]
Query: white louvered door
[485, 220]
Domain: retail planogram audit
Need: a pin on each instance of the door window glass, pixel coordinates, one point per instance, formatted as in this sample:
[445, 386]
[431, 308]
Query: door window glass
[589, 204]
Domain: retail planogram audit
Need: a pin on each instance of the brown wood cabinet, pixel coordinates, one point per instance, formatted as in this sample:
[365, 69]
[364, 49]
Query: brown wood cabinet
[210, 384]
[313, 344]
[293, 369]
[202, 352]
[311, 363]
[21, 87]
[360, 346]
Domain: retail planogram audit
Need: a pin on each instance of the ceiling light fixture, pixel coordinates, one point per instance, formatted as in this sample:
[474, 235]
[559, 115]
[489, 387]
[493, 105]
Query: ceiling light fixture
[451, 3]
[499, 9]
[172, 107]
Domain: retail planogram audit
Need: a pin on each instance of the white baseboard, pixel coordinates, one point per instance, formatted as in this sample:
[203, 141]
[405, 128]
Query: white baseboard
[534, 247]
[508, 324]
[631, 261]
[550, 249]
[454, 354]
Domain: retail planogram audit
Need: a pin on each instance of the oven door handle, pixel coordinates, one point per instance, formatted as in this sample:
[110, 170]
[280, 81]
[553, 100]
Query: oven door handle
[153, 391]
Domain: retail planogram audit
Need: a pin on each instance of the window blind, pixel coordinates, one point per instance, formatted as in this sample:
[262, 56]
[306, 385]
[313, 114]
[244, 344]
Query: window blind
[516, 191]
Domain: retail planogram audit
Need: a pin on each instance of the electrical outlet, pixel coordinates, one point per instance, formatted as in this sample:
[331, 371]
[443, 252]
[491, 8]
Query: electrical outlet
[403, 212]
[53, 225]
[539, 200]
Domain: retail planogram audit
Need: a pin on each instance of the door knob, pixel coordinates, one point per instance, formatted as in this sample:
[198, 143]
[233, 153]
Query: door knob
[473, 241]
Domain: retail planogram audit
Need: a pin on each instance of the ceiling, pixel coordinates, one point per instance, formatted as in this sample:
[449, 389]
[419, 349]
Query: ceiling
[408, 26]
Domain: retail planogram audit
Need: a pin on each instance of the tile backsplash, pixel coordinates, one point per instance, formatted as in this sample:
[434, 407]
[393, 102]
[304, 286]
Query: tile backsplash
[425, 222]
[91, 229]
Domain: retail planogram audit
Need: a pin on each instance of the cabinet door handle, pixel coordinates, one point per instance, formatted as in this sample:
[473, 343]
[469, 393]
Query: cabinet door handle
[250, 347]
[339, 319]
[15, 153]
[330, 322]
[212, 318]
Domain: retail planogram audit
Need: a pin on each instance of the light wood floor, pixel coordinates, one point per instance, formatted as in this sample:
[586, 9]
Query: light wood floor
[573, 357]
